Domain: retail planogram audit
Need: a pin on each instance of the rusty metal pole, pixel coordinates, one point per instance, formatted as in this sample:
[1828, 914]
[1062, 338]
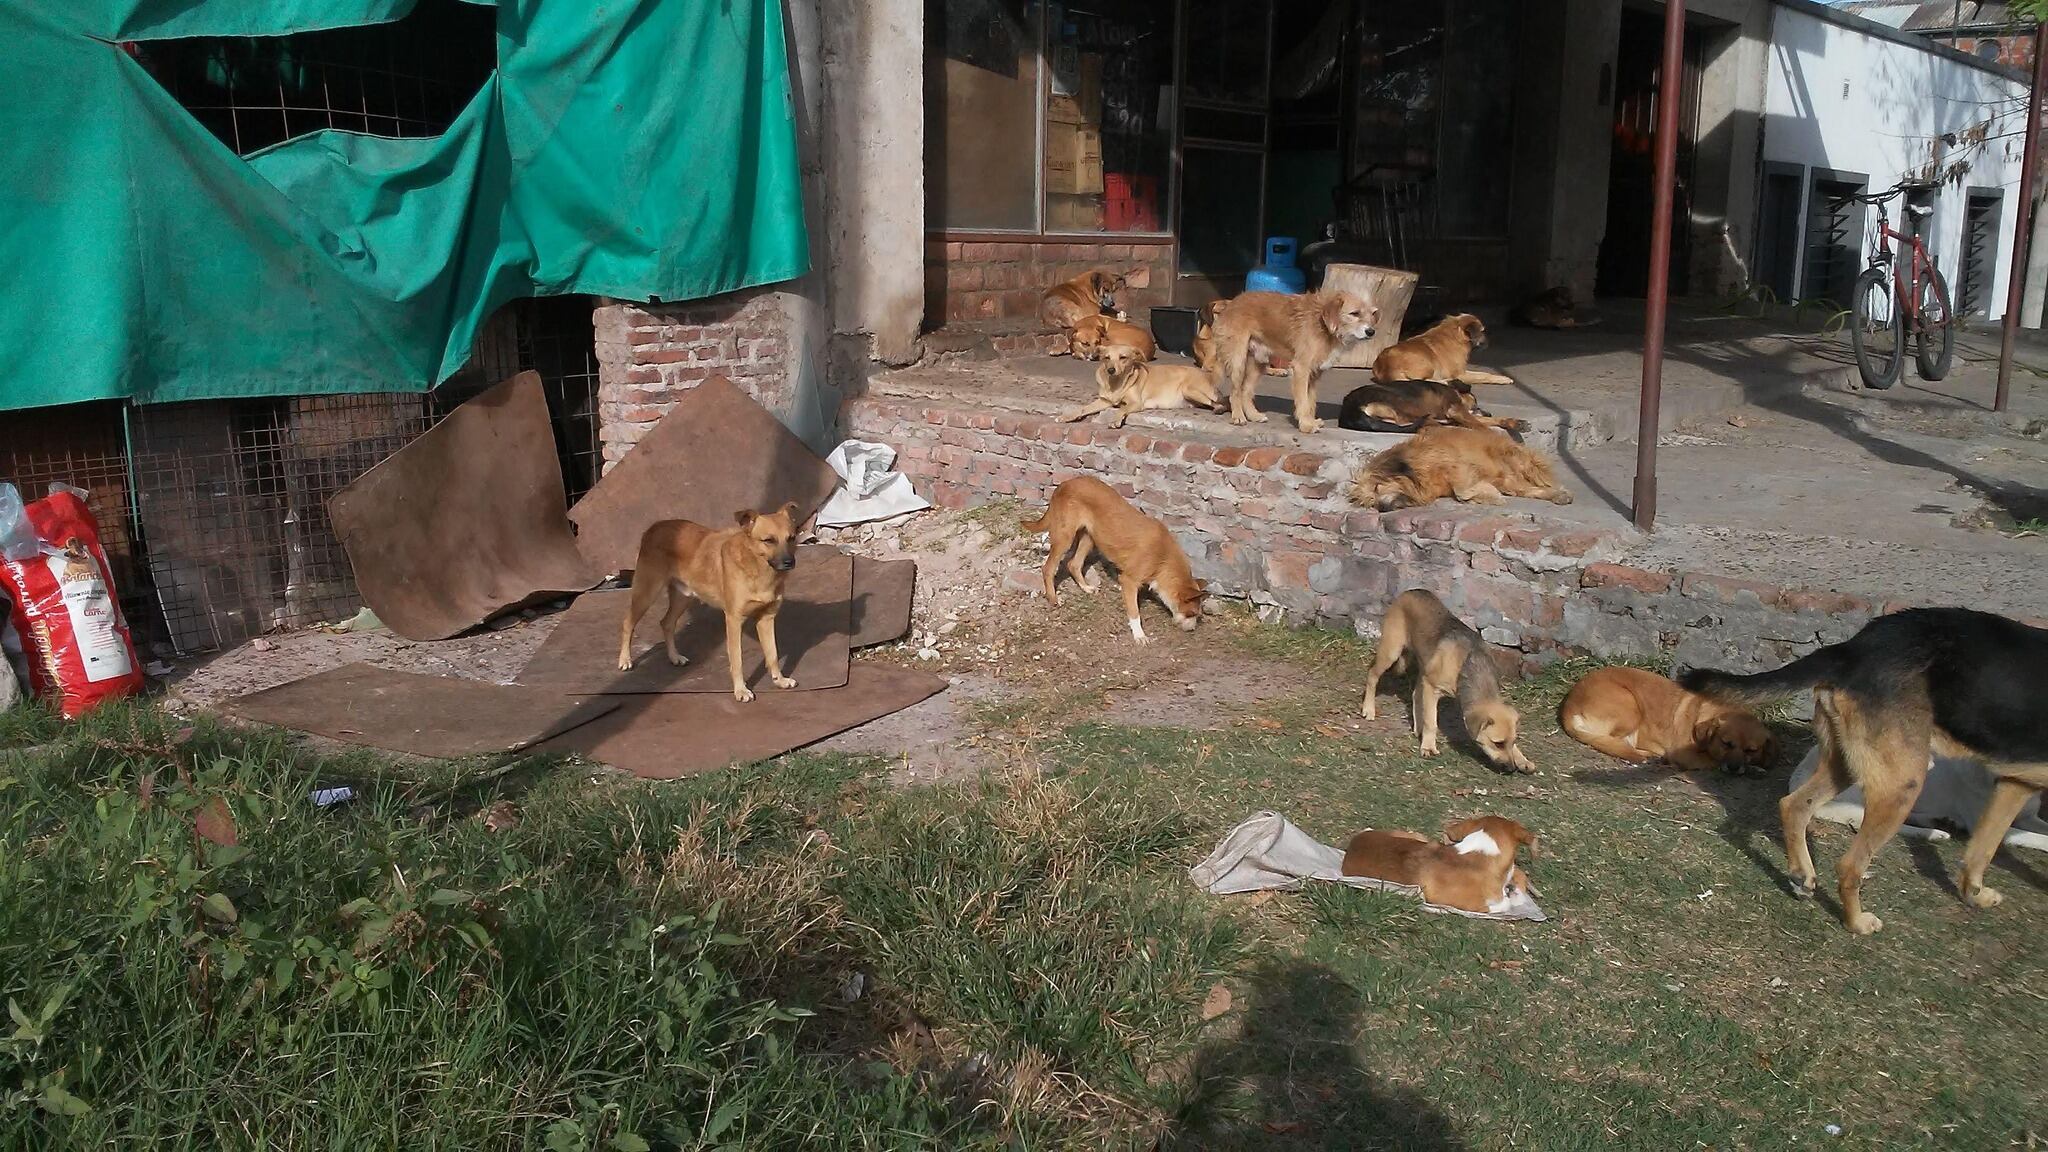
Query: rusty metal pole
[1670, 85]
[2016, 286]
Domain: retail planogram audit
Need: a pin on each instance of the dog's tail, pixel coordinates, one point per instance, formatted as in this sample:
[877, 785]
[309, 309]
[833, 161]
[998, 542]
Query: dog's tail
[1039, 524]
[1821, 666]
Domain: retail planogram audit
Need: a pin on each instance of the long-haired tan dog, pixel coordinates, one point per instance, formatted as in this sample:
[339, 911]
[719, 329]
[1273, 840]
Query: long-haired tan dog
[1448, 659]
[1124, 382]
[1475, 465]
[1089, 294]
[1443, 353]
[1308, 330]
[1085, 513]
[740, 570]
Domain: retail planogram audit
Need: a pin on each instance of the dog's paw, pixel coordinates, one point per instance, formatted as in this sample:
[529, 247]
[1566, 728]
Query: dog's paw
[1258, 417]
[1311, 427]
[1091, 587]
[1429, 748]
[625, 663]
[678, 659]
[1369, 710]
[784, 682]
[1864, 924]
[1804, 888]
[1982, 897]
[743, 694]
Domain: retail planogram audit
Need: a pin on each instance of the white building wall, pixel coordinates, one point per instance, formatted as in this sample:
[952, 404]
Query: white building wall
[1841, 98]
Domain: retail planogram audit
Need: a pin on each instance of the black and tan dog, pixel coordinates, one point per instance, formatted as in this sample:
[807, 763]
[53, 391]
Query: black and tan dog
[1407, 405]
[1126, 384]
[1448, 659]
[740, 570]
[1909, 685]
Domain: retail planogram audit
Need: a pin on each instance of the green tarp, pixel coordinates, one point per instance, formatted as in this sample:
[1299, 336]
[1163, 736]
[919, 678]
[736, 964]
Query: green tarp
[643, 149]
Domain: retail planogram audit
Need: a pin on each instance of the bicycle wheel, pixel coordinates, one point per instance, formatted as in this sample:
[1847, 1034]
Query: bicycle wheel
[1876, 330]
[1934, 340]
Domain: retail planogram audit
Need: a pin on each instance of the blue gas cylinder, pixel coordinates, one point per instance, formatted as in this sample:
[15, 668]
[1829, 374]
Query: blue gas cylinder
[1278, 273]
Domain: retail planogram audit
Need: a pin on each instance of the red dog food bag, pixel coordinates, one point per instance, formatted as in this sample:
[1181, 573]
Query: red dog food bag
[78, 648]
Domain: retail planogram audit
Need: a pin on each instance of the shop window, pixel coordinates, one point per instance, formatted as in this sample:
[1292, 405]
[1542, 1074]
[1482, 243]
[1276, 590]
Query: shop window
[1049, 117]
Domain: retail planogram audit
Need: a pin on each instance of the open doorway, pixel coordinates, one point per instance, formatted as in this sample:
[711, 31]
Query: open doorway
[1624, 268]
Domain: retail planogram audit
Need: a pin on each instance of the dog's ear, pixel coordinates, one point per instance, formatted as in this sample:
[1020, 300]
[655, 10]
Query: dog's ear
[1473, 328]
[1457, 831]
[1334, 308]
[744, 517]
[1703, 733]
[789, 510]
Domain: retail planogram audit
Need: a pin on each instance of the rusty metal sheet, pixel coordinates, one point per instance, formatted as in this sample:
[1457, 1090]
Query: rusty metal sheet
[714, 453]
[665, 736]
[444, 716]
[581, 655]
[465, 522]
[882, 595]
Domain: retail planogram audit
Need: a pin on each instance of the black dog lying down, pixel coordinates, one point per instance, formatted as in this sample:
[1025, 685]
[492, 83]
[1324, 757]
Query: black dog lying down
[1406, 405]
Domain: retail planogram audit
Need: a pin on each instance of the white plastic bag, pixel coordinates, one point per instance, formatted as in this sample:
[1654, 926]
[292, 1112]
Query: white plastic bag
[870, 491]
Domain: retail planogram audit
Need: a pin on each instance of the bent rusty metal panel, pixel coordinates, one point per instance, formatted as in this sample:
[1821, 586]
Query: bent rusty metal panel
[444, 716]
[883, 591]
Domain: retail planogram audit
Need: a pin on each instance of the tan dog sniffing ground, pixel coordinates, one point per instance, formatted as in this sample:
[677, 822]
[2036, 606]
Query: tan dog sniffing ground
[1448, 659]
[1126, 383]
[1095, 333]
[1442, 353]
[1085, 513]
[740, 570]
[1472, 869]
[1476, 465]
[1638, 716]
[1089, 294]
[1309, 330]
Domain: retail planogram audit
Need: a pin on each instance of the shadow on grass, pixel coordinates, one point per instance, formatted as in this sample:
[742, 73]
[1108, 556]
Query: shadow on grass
[1291, 1078]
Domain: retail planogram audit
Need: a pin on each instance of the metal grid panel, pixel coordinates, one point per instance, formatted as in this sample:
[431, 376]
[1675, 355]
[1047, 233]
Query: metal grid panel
[553, 336]
[407, 78]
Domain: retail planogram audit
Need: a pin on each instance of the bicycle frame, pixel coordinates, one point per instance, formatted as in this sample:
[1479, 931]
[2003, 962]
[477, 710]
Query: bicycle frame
[1919, 266]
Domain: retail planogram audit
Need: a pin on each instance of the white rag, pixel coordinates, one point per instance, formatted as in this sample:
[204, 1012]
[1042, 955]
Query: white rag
[1955, 793]
[870, 491]
[1268, 852]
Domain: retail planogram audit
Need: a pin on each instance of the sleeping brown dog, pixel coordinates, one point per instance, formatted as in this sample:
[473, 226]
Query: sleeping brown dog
[1089, 294]
[1475, 465]
[1444, 352]
[1407, 405]
[1640, 716]
[1473, 869]
[1258, 328]
[1094, 333]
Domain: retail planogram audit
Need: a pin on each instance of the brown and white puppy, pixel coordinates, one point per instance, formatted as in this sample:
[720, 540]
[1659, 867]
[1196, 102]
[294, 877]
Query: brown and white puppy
[1127, 384]
[1444, 352]
[1473, 869]
[1094, 333]
[1308, 330]
[1448, 659]
[739, 570]
[1639, 716]
[1475, 465]
[1089, 294]
[1407, 405]
[1085, 513]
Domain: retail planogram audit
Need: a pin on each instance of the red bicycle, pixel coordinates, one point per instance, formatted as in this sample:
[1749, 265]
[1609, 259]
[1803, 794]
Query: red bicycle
[1887, 308]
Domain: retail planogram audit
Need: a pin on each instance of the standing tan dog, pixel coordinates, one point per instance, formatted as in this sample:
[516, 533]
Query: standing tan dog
[1094, 333]
[1449, 659]
[1089, 294]
[1257, 328]
[1126, 383]
[1084, 513]
[1639, 716]
[1475, 465]
[1472, 869]
[1442, 353]
[740, 570]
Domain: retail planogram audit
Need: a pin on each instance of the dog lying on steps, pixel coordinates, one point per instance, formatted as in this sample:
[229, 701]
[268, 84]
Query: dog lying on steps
[1126, 383]
[1475, 465]
[1448, 659]
[1408, 405]
[740, 570]
[1442, 353]
[1086, 514]
[1093, 334]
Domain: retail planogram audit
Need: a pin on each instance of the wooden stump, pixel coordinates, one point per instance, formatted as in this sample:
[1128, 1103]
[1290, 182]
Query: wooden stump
[1390, 288]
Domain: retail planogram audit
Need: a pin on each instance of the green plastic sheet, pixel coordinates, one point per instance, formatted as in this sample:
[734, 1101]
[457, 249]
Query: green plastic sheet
[641, 149]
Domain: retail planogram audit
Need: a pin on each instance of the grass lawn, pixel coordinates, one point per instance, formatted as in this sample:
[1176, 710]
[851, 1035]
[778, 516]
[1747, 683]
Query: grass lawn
[800, 954]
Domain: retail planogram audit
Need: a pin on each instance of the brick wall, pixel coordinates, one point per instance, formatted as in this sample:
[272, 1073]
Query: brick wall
[1275, 526]
[971, 281]
[648, 353]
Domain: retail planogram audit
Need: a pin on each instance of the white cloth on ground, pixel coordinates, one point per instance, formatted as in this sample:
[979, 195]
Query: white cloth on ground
[1268, 852]
[870, 491]
[1955, 793]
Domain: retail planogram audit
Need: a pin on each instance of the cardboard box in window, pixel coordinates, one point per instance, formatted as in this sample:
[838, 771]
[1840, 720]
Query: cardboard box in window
[1070, 213]
[1073, 159]
[1084, 104]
